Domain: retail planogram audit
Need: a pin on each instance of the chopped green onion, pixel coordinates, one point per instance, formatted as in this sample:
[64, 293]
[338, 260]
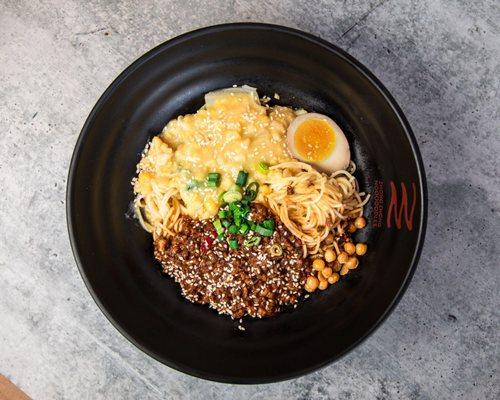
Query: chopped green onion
[223, 214]
[268, 223]
[253, 241]
[254, 186]
[226, 223]
[263, 168]
[235, 208]
[213, 179]
[241, 180]
[233, 229]
[194, 184]
[220, 236]
[240, 210]
[244, 229]
[245, 210]
[251, 191]
[231, 196]
[213, 176]
[253, 225]
[218, 227]
[237, 219]
[262, 230]
[233, 244]
[276, 250]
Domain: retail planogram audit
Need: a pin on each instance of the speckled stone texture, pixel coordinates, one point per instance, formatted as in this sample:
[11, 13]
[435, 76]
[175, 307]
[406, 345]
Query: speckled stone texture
[439, 58]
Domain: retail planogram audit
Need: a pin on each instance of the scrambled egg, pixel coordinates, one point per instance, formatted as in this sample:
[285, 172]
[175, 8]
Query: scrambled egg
[232, 132]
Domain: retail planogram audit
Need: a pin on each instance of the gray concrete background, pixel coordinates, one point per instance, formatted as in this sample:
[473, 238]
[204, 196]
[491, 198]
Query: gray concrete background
[439, 58]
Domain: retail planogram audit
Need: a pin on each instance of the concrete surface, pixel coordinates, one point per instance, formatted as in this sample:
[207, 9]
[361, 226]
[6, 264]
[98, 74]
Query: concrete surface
[439, 58]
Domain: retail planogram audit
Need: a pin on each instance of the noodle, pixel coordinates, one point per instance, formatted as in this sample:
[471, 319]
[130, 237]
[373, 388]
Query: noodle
[159, 212]
[310, 203]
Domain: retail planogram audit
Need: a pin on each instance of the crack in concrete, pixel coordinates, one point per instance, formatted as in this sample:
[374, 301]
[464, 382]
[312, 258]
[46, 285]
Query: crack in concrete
[363, 17]
[91, 32]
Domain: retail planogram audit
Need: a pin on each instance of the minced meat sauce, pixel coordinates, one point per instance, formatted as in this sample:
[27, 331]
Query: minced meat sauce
[244, 281]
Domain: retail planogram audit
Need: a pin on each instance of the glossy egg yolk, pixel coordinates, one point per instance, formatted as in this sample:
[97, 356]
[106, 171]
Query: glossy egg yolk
[314, 140]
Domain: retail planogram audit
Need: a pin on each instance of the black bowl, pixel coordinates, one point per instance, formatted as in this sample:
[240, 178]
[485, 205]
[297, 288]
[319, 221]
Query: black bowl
[115, 255]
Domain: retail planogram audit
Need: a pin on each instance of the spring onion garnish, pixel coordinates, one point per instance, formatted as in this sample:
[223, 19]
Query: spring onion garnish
[253, 241]
[245, 210]
[235, 210]
[237, 220]
[268, 223]
[231, 196]
[194, 184]
[233, 207]
[262, 230]
[251, 191]
[244, 228]
[213, 179]
[223, 214]
[276, 250]
[239, 209]
[263, 168]
[241, 180]
[218, 227]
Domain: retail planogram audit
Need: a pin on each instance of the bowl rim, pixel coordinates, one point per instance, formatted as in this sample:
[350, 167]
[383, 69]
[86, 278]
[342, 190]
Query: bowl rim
[314, 40]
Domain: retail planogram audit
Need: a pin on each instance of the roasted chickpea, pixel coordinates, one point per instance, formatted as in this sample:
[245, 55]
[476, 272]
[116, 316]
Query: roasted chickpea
[336, 266]
[344, 270]
[318, 264]
[328, 239]
[323, 285]
[351, 228]
[349, 248]
[334, 278]
[311, 284]
[342, 257]
[361, 249]
[360, 222]
[352, 263]
[330, 255]
[327, 272]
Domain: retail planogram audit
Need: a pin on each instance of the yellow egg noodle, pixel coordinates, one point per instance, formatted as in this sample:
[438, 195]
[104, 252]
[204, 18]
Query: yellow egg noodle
[234, 132]
[312, 204]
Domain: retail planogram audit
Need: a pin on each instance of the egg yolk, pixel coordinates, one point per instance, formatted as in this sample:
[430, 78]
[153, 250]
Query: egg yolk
[314, 140]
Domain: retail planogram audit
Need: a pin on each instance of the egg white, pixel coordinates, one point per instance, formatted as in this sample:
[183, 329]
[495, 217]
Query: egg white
[212, 97]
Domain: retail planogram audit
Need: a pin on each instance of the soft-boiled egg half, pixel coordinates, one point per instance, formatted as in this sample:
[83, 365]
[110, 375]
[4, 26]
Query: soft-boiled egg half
[317, 140]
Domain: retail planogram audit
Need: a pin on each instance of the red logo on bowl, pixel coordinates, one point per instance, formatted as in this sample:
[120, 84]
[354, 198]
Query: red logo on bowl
[397, 209]
[401, 208]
